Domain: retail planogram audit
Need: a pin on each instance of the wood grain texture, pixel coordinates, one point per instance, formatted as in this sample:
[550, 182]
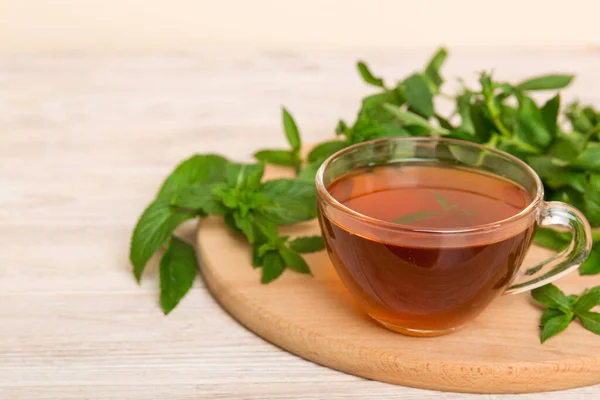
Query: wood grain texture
[85, 140]
[316, 318]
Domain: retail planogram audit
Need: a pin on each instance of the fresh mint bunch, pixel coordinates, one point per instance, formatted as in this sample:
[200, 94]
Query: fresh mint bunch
[211, 185]
[495, 113]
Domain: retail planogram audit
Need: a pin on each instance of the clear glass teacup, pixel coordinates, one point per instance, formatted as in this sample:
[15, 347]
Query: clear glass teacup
[432, 270]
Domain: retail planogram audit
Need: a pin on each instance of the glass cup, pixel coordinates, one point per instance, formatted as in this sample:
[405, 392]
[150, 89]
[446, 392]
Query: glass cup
[378, 261]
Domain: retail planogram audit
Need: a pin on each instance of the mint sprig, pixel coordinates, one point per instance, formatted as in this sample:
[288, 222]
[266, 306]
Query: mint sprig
[562, 310]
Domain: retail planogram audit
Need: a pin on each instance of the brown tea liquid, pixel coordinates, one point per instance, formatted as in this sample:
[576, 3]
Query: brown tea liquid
[425, 288]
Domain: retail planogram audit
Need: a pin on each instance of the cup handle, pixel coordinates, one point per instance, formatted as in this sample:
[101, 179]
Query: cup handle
[555, 213]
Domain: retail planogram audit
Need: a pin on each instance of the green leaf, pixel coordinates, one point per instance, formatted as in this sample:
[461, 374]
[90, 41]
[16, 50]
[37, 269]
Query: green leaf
[482, 125]
[410, 118]
[291, 201]
[152, 231]
[367, 76]
[592, 199]
[273, 267]
[589, 159]
[591, 266]
[294, 261]
[531, 126]
[291, 130]
[567, 146]
[432, 71]
[591, 115]
[257, 259]
[572, 299]
[373, 113]
[308, 173]
[590, 321]
[441, 199]
[307, 244]
[195, 170]
[551, 296]
[245, 224]
[549, 314]
[550, 114]
[552, 239]
[322, 151]
[418, 95]
[415, 217]
[444, 123]
[286, 158]
[178, 268]
[199, 197]
[556, 325]
[463, 106]
[578, 118]
[546, 166]
[342, 128]
[547, 82]
[588, 300]
[244, 176]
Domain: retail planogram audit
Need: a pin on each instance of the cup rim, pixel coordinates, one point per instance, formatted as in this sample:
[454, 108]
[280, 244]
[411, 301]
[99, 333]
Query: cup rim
[533, 205]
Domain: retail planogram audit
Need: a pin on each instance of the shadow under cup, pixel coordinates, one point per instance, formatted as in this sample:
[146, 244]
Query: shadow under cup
[424, 281]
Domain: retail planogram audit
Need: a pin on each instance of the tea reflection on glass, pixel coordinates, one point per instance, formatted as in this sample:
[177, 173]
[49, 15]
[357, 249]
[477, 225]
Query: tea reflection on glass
[425, 233]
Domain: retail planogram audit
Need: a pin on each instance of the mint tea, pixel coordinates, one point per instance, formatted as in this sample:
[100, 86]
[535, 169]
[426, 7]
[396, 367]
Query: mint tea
[426, 285]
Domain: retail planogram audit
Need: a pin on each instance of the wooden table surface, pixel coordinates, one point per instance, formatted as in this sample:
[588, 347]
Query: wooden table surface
[84, 142]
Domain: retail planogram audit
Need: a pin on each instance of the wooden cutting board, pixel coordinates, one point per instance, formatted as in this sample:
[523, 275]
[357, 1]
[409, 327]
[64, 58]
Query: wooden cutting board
[315, 318]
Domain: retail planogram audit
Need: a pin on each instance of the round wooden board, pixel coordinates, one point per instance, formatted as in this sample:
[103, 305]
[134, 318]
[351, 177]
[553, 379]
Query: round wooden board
[315, 318]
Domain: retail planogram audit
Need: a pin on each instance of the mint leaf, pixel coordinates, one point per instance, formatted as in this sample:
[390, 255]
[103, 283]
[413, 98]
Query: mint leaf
[307, 244]
[199, 198]
[245, 224]
[244, 176]
[273, 267]
[291, 130]
[373, 115]
[592, 199]
[415, 217]
[418, 95]
[294, 261]
[152, 231]
[195, 170]
[556, 325]
[531, 126]
[550, 114]
[322, 151]
[547, 82]
[410, 118]
[590, 321]
[578, 118]
[432, 71]
[342, 128]
[591, 266]
[443, 202]
[588, 300]
[367, 76]
[463, 107]
[291, 201]
[589, 159]
[552, 297]
[308, 173]
[278, 157]
[177, 272]
[549, 314]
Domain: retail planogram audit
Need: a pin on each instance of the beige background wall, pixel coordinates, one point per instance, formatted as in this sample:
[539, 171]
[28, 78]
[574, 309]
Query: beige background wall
[99, 25]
